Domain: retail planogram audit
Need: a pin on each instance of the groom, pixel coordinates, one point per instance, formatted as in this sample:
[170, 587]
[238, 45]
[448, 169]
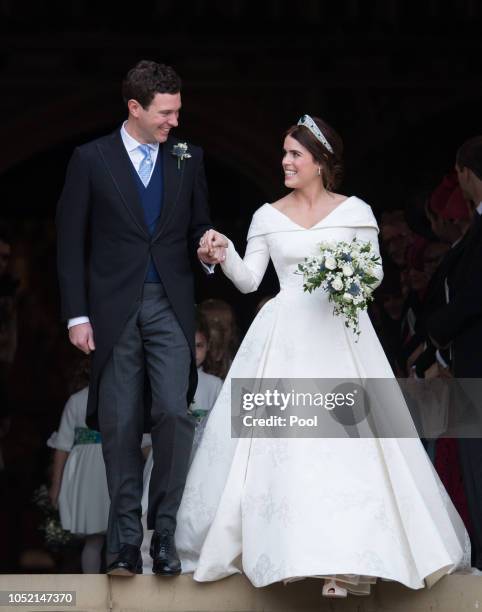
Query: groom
[134, 205]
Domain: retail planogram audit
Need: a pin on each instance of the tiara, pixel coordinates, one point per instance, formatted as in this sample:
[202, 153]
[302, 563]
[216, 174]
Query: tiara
[308, 122]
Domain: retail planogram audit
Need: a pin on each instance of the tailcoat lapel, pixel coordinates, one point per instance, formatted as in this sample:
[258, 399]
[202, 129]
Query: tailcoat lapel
[119, 166]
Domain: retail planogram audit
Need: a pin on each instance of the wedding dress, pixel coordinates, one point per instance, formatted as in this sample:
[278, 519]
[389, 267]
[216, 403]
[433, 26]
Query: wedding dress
[282, 509]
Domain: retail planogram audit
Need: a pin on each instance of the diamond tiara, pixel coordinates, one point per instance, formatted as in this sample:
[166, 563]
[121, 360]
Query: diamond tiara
[308, 122]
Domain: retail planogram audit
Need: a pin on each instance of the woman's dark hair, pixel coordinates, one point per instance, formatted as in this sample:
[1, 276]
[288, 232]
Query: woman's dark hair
[148, 78]
[469, 156]
[331, 163]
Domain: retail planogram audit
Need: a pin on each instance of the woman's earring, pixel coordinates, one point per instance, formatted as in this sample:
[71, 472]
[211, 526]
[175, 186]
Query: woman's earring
[319, 171]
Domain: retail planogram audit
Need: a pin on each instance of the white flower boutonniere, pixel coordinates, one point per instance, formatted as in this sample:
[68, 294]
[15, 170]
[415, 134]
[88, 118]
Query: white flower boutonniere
[181, 152]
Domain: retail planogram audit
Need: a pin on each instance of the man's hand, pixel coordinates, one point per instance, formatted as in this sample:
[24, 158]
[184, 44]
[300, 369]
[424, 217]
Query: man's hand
[212, 247]
[82, 337]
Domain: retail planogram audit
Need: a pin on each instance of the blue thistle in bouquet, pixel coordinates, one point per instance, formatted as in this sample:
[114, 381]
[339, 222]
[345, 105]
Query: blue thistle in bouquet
[347, 272]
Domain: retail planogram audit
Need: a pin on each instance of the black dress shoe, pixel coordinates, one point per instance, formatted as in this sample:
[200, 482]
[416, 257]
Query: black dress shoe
[165, 561]
[128, 562]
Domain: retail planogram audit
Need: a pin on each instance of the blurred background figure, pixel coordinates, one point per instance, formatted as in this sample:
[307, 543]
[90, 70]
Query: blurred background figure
[209, 385]
[396, 236]
[78, 478]
[224, 335]
[217, 360]
[450, 222]
[449, 213]
[457, 325]
[220, 312]
[435, 208]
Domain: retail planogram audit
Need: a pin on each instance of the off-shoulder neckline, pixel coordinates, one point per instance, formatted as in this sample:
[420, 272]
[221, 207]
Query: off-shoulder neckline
[315, 224]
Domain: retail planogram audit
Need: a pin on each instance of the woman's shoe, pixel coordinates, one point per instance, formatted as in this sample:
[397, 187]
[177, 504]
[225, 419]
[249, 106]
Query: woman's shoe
[332, 589]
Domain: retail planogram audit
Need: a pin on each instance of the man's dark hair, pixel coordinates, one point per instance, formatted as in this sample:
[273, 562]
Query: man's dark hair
[148, 78]
[470, 156]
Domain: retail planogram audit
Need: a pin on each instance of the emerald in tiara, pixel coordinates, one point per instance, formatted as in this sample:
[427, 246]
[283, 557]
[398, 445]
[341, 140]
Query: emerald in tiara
[308, 122]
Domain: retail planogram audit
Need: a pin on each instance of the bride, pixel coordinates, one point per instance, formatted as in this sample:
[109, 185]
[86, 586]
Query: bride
[280, 509]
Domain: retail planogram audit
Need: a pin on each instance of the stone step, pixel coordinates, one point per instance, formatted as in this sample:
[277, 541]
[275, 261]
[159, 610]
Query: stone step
[456, 593]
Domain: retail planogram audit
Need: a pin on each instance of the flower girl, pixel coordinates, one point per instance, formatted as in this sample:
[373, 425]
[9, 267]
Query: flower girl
[79, 483]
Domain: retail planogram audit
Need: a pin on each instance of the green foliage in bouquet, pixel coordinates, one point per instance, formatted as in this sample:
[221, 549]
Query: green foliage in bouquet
[347, 272]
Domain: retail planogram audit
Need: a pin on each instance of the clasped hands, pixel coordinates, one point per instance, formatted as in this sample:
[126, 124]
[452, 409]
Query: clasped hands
[212, 247]
[212, 250]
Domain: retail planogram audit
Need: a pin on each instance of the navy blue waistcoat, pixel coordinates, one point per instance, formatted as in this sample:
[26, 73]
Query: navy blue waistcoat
[151, 199]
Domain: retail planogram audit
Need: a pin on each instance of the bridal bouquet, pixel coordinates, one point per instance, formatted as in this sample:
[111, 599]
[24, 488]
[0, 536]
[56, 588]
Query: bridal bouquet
[346, 271]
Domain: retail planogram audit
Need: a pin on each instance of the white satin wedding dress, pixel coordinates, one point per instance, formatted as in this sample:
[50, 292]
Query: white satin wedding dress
[284, 509]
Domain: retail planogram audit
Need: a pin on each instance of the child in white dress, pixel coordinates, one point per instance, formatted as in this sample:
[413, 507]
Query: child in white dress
[79, 483]
[208, 386]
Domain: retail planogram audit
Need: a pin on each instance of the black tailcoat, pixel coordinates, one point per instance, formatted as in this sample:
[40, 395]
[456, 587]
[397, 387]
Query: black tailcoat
[104, 244]
[460, 321]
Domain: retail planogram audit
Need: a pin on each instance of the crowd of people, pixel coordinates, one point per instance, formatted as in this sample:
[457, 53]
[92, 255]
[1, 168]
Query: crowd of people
[422, 312]
[414, 243]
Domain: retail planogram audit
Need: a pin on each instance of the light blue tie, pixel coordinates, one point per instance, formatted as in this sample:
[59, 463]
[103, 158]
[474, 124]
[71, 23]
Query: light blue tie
[146, 164]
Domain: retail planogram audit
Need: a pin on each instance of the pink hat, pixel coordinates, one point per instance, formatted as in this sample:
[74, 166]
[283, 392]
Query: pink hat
[457, 206]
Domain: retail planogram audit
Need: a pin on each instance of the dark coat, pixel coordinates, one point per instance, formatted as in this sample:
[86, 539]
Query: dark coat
[435, 299]
[459, 323]
[104, 244]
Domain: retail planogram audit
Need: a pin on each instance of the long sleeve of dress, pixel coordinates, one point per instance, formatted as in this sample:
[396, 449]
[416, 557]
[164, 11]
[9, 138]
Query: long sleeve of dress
[247, 273]
[370, 234]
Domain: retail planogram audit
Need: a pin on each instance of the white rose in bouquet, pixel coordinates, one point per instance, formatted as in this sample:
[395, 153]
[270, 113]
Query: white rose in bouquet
[330, 263]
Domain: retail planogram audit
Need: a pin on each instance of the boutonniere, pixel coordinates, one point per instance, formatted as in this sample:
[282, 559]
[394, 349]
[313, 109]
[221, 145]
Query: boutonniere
[181, 152]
